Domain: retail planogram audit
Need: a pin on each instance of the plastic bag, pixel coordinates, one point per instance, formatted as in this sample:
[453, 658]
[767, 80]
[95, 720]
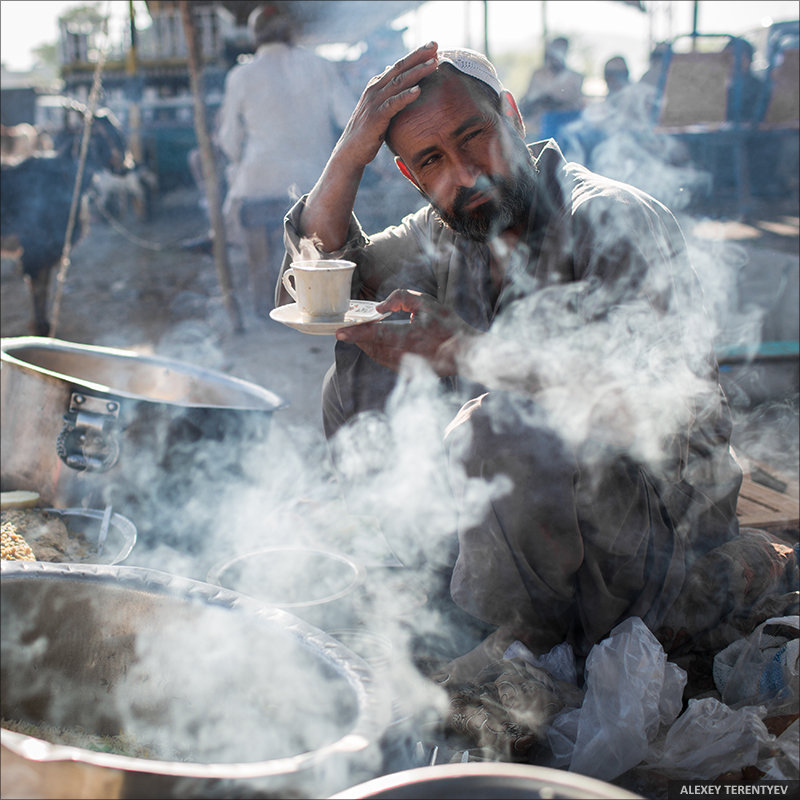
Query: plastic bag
[559, 662]
[631, 691]
[784, 762]
[763, 668]
[709, 739]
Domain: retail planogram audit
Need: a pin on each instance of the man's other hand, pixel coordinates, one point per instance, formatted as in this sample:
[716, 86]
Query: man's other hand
[433, 332]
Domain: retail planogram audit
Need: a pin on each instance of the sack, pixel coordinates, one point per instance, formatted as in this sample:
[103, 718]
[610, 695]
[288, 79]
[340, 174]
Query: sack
[630, 718]
[710, 739]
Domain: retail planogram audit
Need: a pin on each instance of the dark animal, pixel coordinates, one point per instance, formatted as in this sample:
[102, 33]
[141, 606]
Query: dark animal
[36, 196]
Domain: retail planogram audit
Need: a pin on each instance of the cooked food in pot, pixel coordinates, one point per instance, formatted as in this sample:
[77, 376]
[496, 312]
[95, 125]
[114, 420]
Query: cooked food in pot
[45, 535]
[14, 546]
[121, 744]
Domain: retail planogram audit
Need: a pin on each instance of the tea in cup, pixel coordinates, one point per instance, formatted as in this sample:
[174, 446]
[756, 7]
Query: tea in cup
[321, 288]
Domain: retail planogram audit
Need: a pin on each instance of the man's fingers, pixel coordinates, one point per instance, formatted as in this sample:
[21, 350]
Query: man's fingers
[410, 68]
[401, 300]
[397, 102]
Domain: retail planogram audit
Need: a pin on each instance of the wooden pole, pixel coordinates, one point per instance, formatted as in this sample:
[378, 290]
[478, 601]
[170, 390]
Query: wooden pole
[131, 68]
[544, 24]
[486, 29]
[213, 194]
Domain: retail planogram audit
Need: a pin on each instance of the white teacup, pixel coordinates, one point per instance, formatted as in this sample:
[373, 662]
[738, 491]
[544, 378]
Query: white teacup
[321, 288]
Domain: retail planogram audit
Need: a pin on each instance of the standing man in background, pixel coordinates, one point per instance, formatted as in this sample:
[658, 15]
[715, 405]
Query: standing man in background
[281, 115]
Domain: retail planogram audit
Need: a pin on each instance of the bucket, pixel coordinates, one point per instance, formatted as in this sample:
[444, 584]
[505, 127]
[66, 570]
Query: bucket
[88, 426]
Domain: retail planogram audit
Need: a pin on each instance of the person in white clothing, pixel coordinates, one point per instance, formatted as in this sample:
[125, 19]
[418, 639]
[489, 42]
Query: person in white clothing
[281, 115]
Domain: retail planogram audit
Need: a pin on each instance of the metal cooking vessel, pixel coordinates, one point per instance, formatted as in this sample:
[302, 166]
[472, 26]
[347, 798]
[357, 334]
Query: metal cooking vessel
[120, 534]
[89, 426]
[232, 698]
[477, 781]
[317, 585]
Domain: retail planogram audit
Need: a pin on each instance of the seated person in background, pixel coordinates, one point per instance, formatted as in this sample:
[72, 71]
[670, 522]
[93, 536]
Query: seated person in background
[616, 75]
[624, 109]
[655, 66]
[565, 307]
[746, 91]
[554, 87]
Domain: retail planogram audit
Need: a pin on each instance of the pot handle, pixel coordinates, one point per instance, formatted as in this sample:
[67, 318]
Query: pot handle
[89, 441]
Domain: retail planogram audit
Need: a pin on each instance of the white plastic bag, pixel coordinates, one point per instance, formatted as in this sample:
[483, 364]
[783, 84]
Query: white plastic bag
[631, 691]
[709, 739]
[763, 668]
[784, 762]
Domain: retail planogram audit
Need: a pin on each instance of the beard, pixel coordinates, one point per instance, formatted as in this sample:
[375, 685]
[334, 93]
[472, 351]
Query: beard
[509, 203]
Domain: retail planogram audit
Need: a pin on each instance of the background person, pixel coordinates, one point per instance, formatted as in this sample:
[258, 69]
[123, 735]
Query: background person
[554, 90]
[280, 117]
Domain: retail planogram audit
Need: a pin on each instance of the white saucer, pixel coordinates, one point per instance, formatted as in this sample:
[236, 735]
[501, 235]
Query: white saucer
[360, 311]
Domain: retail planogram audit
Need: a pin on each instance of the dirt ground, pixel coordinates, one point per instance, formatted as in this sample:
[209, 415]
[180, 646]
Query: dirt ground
[131, 285]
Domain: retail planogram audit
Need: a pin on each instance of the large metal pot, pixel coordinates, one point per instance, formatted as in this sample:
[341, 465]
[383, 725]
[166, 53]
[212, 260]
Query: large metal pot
[477, 781]
[232, 698]
[90, 426]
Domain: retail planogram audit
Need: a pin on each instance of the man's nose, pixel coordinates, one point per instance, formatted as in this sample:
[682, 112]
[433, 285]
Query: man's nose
[465, 172]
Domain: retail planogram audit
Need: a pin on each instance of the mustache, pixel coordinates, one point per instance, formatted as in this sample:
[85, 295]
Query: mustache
[484, 184]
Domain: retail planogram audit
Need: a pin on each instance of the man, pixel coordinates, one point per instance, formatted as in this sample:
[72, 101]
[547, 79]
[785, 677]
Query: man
[275, 139]
[553, 88]
[567, 303]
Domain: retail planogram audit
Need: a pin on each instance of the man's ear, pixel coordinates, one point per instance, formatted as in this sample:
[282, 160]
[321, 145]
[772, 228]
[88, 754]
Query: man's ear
[510, 110]
[405, 170]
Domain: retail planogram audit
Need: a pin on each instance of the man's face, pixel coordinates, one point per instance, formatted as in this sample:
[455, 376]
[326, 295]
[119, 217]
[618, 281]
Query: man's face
[466, 160]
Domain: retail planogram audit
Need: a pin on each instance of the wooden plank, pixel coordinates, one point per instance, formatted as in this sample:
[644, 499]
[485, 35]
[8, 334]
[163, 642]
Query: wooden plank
[761, 507]
[768, 497]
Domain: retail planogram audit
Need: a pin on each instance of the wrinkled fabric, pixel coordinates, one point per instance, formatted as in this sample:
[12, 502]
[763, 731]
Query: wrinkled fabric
[574, 557]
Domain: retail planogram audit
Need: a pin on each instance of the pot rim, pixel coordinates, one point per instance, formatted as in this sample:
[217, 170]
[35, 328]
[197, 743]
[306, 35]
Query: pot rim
[358, 572]
[366, 730]
[125, 526]
[431, 776]
[8, 346]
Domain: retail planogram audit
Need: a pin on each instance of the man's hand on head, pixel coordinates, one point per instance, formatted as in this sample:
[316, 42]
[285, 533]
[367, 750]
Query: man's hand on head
[433, 332]
[384, 96]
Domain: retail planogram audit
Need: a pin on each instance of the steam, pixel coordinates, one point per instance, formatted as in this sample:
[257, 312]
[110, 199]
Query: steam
[388, 489]
[309, 249]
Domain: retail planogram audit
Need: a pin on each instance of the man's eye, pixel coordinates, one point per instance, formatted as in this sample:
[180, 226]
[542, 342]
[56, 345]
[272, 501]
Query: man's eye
[429, 161]
[472, 135]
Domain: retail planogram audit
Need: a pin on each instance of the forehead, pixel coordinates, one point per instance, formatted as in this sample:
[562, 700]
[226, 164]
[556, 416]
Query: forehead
[439, 113]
